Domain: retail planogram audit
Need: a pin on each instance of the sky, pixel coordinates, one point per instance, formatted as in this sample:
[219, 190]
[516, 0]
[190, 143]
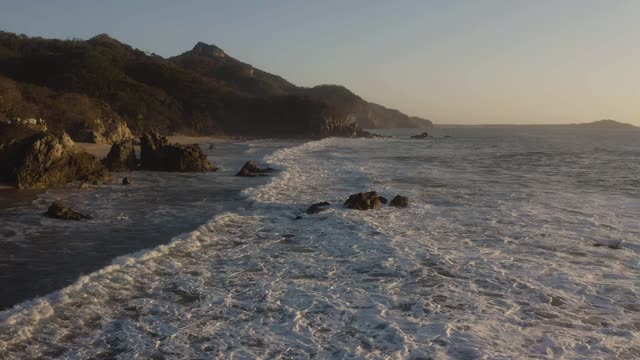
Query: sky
[451, 61]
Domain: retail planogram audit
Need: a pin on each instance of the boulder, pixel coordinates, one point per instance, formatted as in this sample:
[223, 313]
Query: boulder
[424, 135]
[157, 154]
[43, 160]
[317, 207]
[59, 211]
[250, 169]
[383, 200]
[363, 201]
[121, 157]
[105, 132]
[399, 201]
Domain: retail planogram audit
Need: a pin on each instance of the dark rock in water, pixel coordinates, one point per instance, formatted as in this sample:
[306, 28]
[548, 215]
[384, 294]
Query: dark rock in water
[383, 199]
[447, 136]
[212, 146]
[424, 135]
[317, 207]
[121, 157]
[363, 201]
[188, 158]
[158, 155]
[399, 201]
[250, 169]
[298, 217]
[125, 181]
[150, 145]
[244, 172]
[59, 211]
[45, 160]
[614, 245]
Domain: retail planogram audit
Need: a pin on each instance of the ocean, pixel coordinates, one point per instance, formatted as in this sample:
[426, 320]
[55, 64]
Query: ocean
[519, 242]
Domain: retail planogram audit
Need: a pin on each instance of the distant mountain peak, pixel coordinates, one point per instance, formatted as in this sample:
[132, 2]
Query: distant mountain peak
[204, 49]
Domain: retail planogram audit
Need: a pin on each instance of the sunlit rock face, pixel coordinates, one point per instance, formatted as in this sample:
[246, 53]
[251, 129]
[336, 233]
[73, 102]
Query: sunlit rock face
[44, 160]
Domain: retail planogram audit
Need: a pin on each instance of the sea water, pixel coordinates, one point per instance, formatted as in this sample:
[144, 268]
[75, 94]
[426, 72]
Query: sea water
[517, 243]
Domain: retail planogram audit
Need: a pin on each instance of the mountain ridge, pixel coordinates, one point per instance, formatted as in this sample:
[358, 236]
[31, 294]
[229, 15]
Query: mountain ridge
[210, 60]
[80, 84]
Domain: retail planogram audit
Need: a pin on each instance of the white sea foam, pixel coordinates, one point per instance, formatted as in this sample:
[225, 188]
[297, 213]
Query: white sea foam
[482, 264]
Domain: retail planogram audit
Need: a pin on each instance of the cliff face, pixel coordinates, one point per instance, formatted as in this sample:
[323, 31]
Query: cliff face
[82, 86]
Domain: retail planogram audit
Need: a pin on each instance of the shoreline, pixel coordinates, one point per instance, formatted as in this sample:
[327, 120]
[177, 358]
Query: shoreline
[157, 207]
[10, 195]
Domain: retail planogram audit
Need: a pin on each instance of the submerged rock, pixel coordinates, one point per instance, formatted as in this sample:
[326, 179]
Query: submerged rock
[45, 160]
[125, 181]
[158, 155]
[121, 157]
[399, 201]
[317, 207]
[59, 211]
[424, 135]
[250, 169]
[363, 201]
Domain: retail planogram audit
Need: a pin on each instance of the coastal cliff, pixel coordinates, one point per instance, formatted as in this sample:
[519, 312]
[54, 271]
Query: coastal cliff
[101, 90]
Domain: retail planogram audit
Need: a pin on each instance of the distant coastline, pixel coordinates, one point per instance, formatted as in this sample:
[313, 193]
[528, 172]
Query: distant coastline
[600, 124]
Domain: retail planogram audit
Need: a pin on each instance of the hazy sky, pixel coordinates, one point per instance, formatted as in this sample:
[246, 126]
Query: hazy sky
[471, 61]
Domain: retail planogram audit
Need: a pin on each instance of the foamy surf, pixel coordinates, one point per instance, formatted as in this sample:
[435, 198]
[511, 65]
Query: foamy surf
[483, 264]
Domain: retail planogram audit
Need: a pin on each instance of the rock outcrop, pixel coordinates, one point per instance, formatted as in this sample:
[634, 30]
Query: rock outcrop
[157, 154]
[44, 160]
[121, 157]
[105, 132]
[250, 169]
[399, 201]
[363, 201]
[59, 211]
[317, 207]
